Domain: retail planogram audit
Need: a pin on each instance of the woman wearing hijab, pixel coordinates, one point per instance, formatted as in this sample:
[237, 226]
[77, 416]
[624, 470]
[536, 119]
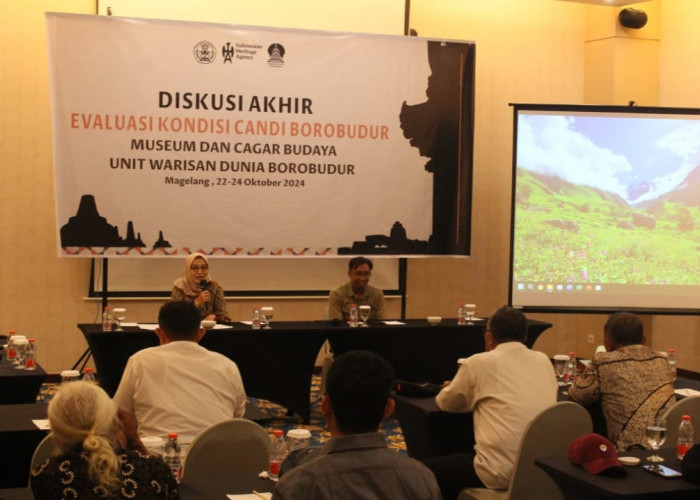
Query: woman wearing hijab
[196, 286]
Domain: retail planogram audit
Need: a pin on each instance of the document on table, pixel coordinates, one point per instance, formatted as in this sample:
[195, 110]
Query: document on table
[250, 496]
[393, 322]
[687, 392]
[42, 424]
[148, 326]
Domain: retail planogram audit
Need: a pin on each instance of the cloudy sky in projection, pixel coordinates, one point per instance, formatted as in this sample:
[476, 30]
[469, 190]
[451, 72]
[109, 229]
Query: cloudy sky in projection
[612, 152]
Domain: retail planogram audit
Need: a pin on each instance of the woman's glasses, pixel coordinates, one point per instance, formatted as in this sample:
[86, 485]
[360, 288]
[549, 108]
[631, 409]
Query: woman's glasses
[199, 268]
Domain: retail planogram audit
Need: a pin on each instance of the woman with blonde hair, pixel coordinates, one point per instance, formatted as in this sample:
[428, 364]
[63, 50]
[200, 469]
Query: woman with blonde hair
[91, 464]
[196, 286]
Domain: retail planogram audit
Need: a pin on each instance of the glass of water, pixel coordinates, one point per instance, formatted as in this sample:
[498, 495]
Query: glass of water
[561, 362]
[266, 312]
[120, 316]
[364, 314]
[656, 436]
[470, 310]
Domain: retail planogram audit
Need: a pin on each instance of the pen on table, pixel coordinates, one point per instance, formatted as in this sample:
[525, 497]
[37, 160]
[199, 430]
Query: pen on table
[259, 495]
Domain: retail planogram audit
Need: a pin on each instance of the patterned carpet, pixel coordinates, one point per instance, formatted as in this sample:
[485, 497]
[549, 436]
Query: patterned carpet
[280, 420]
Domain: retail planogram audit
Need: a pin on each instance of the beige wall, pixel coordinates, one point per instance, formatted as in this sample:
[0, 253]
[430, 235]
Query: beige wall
[527, 51]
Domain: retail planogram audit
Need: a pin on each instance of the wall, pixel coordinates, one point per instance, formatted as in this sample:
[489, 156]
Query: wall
[527, 51]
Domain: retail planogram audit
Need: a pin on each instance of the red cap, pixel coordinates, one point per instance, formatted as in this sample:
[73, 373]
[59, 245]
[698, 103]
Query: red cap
[278, 432]
[596, 455]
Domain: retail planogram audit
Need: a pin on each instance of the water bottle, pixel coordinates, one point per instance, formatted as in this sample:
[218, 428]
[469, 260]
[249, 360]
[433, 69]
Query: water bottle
[11, 350]
[106, 319]
[671, 357]
[353, 319]
[277, 454]
[686, 437]
[571, 371]
[172, 455]
[30, 356]
[256, 318]
[89, 375]
[461, 314]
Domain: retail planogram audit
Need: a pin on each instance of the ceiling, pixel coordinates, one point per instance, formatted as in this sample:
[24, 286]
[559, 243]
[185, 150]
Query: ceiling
[616, 3]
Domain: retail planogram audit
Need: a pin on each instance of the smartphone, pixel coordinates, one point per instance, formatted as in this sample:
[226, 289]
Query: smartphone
[662, 471]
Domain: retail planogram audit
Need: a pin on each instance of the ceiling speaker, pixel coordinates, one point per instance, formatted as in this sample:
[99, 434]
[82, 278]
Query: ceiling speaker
[632, 18]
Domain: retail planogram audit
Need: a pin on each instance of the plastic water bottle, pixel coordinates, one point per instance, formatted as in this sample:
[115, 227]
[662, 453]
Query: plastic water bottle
[461, 314]
[353, 319]
[277, 454]
[571, 371]
[686, 437]
[172, 455]
[30, 356]
[106, 319]
[11, 354]
[671, 357]
[256, 318]
[89, 375]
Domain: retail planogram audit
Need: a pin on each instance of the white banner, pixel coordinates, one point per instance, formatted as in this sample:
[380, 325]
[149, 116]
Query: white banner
[172, 137]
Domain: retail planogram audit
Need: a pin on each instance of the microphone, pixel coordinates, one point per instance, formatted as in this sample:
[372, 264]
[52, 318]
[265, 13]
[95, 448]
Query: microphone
[204, 285]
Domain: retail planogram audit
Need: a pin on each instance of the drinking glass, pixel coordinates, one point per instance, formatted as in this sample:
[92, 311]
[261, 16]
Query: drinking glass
[364, 315]
[470, 310]
[266, 312]
[119, 315]
[561, 362]
[656, 436]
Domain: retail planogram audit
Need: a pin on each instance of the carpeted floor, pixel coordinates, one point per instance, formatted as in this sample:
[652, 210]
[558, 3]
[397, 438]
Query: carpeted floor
[279, 419]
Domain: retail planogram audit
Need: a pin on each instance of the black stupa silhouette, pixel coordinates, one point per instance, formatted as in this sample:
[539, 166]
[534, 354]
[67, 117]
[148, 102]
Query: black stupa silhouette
[396, 243]
[161, 243]
[88, 229]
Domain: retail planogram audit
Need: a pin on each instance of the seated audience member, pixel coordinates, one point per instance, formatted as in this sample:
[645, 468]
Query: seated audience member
[633, 384]
[197, 287]
[179, 386]
[355, 462]
[505, 388]
[356, 291]
[91, 464]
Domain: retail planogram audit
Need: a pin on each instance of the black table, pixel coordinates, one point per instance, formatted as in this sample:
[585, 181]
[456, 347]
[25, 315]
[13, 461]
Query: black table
[575, 482]
[431, 432]
[418, 351]
[18, 439]
[19, 386]
[277, 364]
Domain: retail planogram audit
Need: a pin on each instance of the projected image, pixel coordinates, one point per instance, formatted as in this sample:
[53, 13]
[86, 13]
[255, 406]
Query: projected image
[607, 210]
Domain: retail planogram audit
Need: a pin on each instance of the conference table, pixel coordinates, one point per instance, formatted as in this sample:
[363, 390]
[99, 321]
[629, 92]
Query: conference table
[19, 436]
[277, 364]
[575, 483]
[19, 386]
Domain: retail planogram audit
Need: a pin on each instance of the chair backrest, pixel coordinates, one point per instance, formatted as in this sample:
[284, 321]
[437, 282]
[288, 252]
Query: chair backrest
[689, 405]
[233, 448]
[549, 434]
[44, 450]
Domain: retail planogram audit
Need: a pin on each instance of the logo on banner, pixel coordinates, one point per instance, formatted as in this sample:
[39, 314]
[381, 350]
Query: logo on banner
[276, 52]
[228, 51]
[204, 52]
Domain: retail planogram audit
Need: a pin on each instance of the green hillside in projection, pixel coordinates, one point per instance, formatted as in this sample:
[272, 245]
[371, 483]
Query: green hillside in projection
[578, 234]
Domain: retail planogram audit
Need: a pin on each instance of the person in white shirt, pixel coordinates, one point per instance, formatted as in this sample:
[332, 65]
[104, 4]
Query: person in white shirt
[505, 388]
[179, 386]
